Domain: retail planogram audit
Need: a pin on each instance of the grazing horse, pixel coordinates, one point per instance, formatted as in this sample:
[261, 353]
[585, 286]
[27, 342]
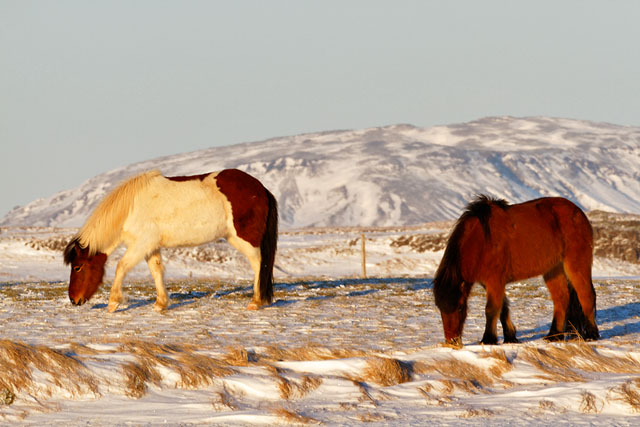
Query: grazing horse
[494, 243]
[150, 211]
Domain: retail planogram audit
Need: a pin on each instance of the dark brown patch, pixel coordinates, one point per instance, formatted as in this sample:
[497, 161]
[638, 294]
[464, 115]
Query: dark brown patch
[249, 204]
[200, 177]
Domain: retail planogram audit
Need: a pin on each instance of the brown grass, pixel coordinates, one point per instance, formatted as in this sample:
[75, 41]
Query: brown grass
[194, 369]
[557, 366]
[589, 403]
[137, 376]
[477, 412]
[502, 363]
[547, 406]
[461, 375]
[18, 360]
[6, 396]
[238, 356]
[293, 417]
[386, 371]
[563, 362]
[308, 352]
[629, 393]
[225, 400]
[290, 388]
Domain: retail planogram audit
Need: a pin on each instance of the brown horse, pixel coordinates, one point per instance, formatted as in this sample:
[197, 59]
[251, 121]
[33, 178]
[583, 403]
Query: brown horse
[494, 243]
[150, 211]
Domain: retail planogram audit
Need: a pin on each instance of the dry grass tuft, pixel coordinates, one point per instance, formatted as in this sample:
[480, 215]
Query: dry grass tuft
[547, 406]
[290, 388]
[425, 391]
[308, 352]
[626, 393]
[6, 394]
[475, 412]
[502, 363]
[372, 417]
[225, 400]
[386, 371]
[563, 362]
[589, 404]
[464, 376]
[194, 369]
[82, 349]
[292, 417]
[63, 372]
[587, 358]
[239, 356]
[136, 378]
[556, 365]
[197, 369]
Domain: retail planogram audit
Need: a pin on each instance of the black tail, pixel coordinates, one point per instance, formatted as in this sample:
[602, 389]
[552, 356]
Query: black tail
[577, 322]
[268, 248]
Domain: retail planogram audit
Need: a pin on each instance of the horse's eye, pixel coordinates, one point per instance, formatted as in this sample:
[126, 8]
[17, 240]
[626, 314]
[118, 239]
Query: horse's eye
[77, 268]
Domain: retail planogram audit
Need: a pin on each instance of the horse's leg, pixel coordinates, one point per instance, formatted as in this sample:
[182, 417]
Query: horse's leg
[558, 288]
[508, 329]
[253, 255]
[154, 261]
[126, 263]
[580, 277]
[495, 297]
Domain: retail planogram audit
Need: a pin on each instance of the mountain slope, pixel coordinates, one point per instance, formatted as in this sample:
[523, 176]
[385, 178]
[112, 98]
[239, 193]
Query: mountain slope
[399, 175]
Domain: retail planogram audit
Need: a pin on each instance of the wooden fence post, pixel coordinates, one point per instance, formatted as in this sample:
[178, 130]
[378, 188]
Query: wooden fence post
[364, 257]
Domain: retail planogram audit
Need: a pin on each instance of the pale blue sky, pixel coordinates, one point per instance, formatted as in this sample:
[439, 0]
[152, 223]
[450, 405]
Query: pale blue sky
[87, 86]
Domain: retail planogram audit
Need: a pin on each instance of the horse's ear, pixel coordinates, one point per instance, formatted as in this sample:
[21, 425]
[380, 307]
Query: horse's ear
[71, 251]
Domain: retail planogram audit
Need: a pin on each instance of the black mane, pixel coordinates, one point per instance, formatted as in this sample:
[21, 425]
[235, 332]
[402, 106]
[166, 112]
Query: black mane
[69, 252]
[446, 284]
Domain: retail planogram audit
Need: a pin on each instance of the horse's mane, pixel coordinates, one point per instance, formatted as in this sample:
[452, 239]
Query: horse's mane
[448, 278]
[104, 225]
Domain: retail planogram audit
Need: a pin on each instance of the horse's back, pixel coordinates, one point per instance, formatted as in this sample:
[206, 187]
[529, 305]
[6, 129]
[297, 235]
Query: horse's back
[179, 212]
[542, 232]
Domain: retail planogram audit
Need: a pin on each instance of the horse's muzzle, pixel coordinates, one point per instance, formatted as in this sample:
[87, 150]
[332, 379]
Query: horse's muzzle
[79, 301]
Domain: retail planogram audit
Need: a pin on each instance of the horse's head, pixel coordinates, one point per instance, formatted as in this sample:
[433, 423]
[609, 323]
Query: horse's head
[453, 323]
[454, 314]
[87, 271]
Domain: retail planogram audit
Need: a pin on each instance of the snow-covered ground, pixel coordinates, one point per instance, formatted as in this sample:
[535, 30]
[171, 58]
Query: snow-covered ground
[334, 348]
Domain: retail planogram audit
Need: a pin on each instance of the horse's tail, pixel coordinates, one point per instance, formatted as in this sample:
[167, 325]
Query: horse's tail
[576, 320]
[104, 225]
[268, 247]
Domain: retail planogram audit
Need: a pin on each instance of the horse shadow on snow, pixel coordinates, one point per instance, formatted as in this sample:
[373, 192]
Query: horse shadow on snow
[180, 299]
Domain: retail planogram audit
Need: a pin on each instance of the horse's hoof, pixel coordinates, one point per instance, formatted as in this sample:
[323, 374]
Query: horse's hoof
[489, 340]
[253, 306]
[113, 306]
[159, 308]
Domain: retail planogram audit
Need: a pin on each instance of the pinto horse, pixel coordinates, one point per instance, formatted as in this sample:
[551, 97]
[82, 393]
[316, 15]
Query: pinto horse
[494, 243]
[150, 211]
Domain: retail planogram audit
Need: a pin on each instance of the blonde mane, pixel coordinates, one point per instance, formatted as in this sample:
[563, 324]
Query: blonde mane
[104, 225]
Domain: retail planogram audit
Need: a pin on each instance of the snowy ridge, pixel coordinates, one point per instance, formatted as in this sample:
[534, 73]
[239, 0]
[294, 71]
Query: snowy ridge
[401, 174]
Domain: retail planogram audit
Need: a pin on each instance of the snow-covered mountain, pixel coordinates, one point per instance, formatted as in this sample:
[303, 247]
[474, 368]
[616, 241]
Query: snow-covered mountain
[401, 175]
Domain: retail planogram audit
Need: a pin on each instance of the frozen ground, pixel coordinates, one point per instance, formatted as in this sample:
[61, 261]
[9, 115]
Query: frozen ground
[334, 348]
